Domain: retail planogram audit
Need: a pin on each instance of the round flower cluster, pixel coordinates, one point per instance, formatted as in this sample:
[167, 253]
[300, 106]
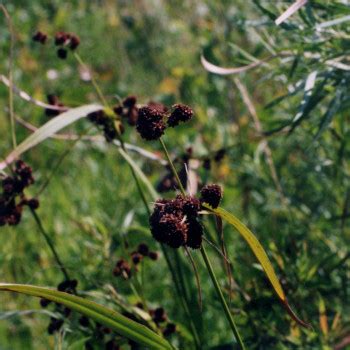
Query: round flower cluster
[13, 199]
[153, 120]
[150, 124]
[181, 113]
[212, 195]
[62, 39]
[40, 37]
[108, 124]
[123, 268]
[159, 316]
[128, 110]
[175, 222]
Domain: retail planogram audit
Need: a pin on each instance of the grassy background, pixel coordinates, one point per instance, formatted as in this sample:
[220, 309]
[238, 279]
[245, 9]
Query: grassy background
[152, 48]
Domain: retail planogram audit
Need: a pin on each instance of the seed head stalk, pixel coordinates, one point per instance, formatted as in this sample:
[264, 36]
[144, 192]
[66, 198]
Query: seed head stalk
[182, 297]
[207, 262]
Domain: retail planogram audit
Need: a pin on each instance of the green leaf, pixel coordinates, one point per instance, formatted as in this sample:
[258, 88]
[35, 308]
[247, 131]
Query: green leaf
[49, 129]
[109, 318]
[260, 254]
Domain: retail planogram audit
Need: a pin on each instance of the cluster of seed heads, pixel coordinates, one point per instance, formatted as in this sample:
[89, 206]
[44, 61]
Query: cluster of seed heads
[12, 199]
[40, 37]
[159, 317]
[110, 125]
[63, 40]
[128, 110]
[152, 120]
[124, 269]
[175, 222]
[67, 286]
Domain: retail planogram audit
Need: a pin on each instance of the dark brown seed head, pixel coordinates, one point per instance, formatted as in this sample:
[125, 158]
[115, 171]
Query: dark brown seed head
[122, 268]
[159, 315]
[62, 53]
[118, 109]
[74, 42]
[181, 113]
[189, 205]
[212, 195]
[169, 329]
[40, 37]
[158, 106]
[153, 255]
[136, 257]
[129, 101]
[143, 249]
[44, 302]
[84, 321]
[33, 203]
[150, 123]
[220, 154]
[174, 230]
[195, 233]
[8, 185]
[60, 38]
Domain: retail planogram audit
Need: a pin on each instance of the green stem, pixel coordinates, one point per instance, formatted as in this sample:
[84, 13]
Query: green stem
[50, 244]
[222, 299]
[11, 108]
[93, 81]
[180, 286]
[143, 197]
[172, 167]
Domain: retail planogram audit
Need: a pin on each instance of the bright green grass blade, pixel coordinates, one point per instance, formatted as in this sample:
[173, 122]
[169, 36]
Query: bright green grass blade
[261, 256]
[109, 318]
[48, 129]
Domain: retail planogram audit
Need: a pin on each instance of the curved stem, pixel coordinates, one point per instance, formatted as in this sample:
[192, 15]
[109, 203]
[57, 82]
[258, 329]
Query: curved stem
[222, 299]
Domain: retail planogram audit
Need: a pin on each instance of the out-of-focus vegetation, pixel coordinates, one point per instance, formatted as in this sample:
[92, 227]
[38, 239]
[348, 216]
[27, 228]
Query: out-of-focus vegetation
[285, 171]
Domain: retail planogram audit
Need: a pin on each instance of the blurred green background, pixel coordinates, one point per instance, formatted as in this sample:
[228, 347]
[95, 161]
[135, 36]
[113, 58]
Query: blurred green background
[152, 49]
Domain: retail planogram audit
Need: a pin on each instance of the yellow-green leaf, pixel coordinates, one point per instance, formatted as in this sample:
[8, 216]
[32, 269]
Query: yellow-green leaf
[261, 256]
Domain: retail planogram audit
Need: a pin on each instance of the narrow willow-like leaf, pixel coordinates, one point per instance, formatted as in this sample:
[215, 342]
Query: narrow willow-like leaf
[290, 11]
[256, 247]
[109, 318]
[261, 256]
[49, 129]
[212, 68]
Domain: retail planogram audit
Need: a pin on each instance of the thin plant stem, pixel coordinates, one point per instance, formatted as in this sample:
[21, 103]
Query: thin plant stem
[59, 162]
[50, 244]
[11, 108]
[197, 277]
[208, 264]
[105, 103]
[181, 287]
[93, 81]
[172, 167]
[222, 299]
[143, 197]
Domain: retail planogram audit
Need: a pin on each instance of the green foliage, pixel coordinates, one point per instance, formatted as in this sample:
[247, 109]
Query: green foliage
[91, 208]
